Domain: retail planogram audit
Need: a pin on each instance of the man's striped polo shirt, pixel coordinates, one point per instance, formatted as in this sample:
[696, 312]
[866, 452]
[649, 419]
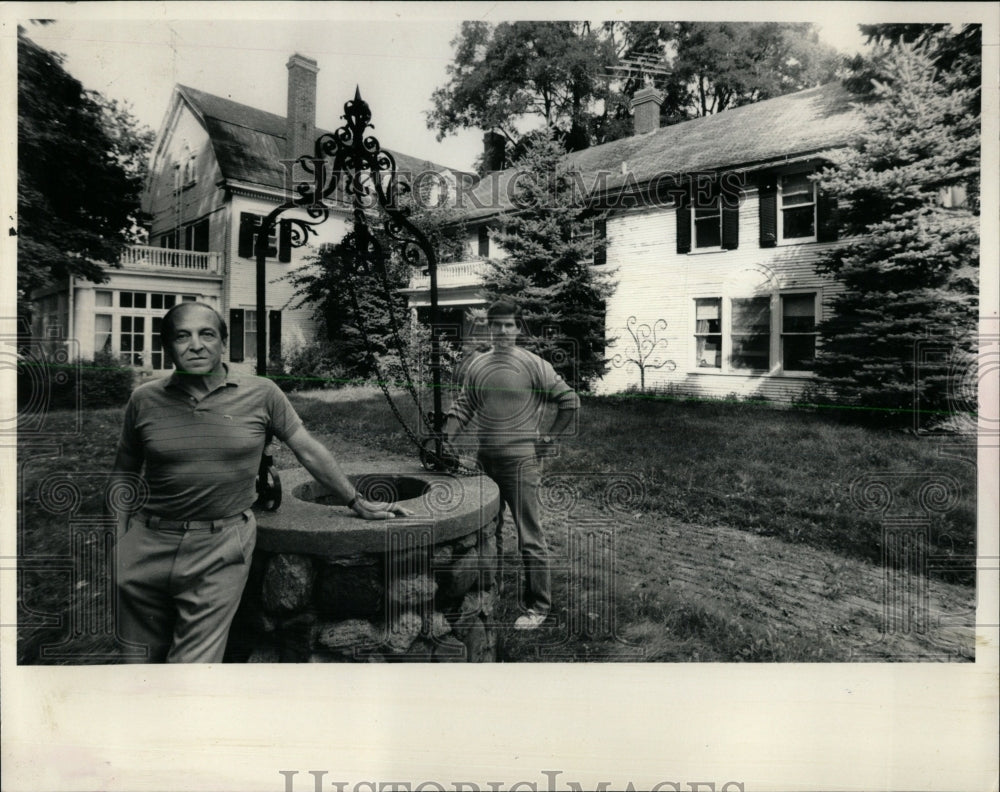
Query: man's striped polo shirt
[201, 455]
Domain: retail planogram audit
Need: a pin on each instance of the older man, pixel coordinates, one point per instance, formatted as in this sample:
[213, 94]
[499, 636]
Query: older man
[503, 395]
[198, 436]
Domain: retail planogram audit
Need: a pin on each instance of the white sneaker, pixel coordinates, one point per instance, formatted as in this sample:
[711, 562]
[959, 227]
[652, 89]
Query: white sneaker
[532, 620]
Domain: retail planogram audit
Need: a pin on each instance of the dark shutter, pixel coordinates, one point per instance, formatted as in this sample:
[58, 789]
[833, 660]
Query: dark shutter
[600, 242]
[284, 242]
[683, 224]
[236, 335]
[730, 227]
[274, 335]
[248, 227]
[826, 216]
[768, 196]
[484, 241]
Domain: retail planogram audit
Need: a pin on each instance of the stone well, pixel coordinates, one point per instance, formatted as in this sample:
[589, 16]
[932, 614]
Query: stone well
[327, 586]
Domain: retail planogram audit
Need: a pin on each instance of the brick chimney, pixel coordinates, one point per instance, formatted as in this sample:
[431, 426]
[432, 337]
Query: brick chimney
[494, 151]
[300, 131]
[646, 110]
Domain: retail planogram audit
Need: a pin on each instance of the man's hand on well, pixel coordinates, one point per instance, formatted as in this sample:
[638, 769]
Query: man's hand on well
[378, 510]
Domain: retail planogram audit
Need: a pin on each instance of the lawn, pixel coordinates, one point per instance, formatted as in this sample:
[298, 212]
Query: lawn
[741, 540]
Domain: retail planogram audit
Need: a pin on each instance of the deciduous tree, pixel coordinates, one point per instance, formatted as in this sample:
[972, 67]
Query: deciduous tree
[81, 167]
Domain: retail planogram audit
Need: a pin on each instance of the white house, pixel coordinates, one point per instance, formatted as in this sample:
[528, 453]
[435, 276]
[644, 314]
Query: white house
[714, 228]
[216, 171]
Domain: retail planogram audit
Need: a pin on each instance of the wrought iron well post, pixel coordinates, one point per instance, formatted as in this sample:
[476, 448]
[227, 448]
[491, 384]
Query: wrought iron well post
[348, 164]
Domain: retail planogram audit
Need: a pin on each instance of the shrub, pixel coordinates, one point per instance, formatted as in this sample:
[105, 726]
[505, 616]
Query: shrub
[309, 367]
[102, 382]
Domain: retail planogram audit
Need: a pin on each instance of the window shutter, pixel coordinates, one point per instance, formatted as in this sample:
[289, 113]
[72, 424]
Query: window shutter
[248, 225]
[730, 227]
[768, 197]
[683, 224]
[274, 335]
[826, 216]
[600, 242]
[236, 335]
[284, 241]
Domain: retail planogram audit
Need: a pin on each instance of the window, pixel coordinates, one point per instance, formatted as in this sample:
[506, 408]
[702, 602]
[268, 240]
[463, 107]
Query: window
[954, 197]
[484, 241]
[131, 299]
[132, 338]
[708, 225]
[798, 207]
[196, 236]
[130, 325]
[249, 223]
[243, 330]
[708, 219]
[250, 334]
[708, 333]
[158, 359]
[751, 337]
[773, 333]
[798, 332]
[102, 333]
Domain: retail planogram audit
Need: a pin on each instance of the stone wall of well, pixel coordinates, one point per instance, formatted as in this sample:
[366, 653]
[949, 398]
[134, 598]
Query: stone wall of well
[422, 589]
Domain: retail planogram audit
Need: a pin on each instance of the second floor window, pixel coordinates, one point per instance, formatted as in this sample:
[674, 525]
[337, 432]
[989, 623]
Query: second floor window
[707, 231]
[279, 238]
[798, 208]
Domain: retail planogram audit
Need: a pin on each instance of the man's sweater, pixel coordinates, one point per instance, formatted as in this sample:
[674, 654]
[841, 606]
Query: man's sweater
[502, 400]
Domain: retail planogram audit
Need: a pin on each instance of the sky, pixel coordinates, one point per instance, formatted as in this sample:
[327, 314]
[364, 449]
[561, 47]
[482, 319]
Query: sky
[396, 54]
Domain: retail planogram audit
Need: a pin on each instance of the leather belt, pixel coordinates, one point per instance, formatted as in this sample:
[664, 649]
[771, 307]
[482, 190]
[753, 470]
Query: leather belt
[155, 523]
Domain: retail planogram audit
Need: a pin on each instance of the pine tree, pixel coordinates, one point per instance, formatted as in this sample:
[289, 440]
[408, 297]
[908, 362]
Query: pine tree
[548, 270]
[910, 267]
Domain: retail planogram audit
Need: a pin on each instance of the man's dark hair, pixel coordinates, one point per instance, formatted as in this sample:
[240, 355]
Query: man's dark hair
[502, 308]
[167, 327]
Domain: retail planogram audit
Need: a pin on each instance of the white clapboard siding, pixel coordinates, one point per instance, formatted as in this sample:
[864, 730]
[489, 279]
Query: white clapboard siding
[655, 282]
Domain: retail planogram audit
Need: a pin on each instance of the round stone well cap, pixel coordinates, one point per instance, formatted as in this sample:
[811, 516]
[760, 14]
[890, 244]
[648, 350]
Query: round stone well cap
[312, 520]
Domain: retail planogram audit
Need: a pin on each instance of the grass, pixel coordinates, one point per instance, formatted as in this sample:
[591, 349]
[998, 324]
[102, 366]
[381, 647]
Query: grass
[764, 471]
[767, 470]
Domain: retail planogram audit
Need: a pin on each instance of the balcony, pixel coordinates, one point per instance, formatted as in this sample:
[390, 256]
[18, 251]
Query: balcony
[144, 257]
[455, 275]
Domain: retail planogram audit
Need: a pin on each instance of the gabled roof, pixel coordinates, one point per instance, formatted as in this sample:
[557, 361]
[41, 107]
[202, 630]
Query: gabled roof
[249, 144]
[790, 126]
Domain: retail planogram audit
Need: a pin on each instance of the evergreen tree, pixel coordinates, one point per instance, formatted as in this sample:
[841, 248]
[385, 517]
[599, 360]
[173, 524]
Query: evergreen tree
[548, 271]
[910, 267]
[358, 310]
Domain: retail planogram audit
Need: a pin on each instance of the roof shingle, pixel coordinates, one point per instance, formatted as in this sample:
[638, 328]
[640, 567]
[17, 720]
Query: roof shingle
[814, 120]
[249, 143]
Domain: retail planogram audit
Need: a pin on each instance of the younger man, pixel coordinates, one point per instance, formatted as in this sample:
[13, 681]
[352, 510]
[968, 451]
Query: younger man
[503, 395]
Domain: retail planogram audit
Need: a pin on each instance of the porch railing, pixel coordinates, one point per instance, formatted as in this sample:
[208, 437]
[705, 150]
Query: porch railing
[147, 257]
[458, 273]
